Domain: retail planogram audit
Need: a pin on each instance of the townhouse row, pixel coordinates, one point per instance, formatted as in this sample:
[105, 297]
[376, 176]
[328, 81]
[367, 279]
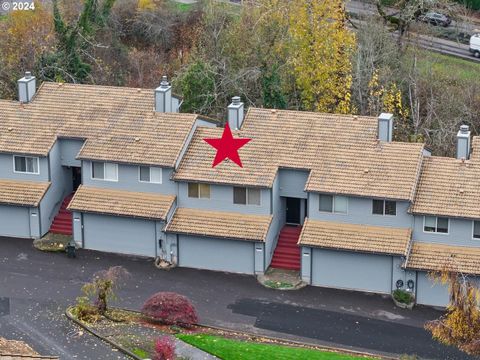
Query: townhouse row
[123, 171]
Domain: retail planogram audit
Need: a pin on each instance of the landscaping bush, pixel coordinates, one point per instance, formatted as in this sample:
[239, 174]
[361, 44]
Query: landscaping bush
[170, 309]
[403, 296]
[164, 349]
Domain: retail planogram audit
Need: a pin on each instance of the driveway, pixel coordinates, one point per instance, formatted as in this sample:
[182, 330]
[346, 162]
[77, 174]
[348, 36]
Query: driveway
[35, 288]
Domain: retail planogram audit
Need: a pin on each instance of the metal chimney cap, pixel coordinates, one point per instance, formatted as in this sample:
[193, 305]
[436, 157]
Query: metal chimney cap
[236, 100]
[164, 82]
[464, 129]
[28, 74]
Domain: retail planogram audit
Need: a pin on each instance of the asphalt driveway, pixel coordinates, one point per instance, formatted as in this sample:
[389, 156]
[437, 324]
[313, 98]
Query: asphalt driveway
[36, 287]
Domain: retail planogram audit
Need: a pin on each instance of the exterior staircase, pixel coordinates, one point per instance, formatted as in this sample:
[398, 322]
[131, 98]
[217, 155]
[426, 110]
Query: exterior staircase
[62, 223]
[287, 253]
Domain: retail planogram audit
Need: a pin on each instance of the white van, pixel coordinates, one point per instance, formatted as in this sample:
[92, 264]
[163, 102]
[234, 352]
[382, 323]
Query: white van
[475, 45]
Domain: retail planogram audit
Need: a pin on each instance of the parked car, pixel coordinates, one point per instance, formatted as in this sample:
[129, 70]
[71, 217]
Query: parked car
[435, 18]
[475, 45]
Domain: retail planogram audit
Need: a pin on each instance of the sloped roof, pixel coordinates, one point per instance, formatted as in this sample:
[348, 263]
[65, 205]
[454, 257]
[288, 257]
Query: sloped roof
[23, 193]
[219, 224]
[340, 150]
[123, 203]
[362, 238]
[438, 257]
[119, 124]
[448, 187]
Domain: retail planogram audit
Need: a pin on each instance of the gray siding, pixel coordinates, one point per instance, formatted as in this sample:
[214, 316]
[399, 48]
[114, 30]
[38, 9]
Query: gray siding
[398, 273]
[221, 199]
[7, 169]
[278, 221]
[77, 228]
[354, 271]
[119, 235]
[61, 185]
[14, 221]
[460, 233]
[128, 179]
[360, 212]
[216, 254]
[306, 264]
[292, 183]
[69, 149]
[430, 293]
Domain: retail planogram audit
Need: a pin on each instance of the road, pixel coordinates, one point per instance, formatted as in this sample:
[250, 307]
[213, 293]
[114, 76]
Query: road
[432, 43]
[36, 287]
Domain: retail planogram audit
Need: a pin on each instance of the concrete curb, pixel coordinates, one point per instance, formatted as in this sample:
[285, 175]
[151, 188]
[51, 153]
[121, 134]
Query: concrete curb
[94, 333]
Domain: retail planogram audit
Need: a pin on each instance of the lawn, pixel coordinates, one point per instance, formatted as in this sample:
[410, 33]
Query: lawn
[228, 349]
[448, 67]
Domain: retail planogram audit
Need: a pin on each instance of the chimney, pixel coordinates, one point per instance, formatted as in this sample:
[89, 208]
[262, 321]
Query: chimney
[463, 142]
[235, 113]
[163, 96]
[26, 87]
[385, 127]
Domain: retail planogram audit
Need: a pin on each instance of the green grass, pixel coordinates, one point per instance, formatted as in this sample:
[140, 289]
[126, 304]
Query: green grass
[141, 353]
[448, 67]
[228, 349]
[278, 284]
[183, 7]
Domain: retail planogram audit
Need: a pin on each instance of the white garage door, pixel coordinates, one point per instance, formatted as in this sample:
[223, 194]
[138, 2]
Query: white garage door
[354, 271]
[14, 221]
[215, 254]
[430, 293]
[119, 235]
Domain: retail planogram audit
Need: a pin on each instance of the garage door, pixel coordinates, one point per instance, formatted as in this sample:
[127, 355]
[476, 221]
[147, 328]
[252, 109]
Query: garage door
[216, 254]
[119, 235]
[14, 221]
[430, 293]
[354, 271]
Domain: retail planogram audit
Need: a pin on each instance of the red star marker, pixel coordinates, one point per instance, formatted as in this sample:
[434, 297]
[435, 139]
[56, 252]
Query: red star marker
[227, 147]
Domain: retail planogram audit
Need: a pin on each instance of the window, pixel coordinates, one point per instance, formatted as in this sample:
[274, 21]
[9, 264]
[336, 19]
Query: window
[246, 196]
[196, 190]
[333, 204]
[26, 164]
[150, 174]
[476, 229]
[435, 224]
[384, 207]
[104, 171]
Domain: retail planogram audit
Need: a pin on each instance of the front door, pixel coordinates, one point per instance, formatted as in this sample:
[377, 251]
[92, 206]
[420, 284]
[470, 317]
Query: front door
[293, 211]
[76, 177]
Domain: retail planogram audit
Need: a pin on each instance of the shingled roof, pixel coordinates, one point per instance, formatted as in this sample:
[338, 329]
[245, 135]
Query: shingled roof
[341, 151]
[123, 203]
[361, 238]
[219, 224]
[438, 257]
[448, 187]
[23, 193]
[118, 123]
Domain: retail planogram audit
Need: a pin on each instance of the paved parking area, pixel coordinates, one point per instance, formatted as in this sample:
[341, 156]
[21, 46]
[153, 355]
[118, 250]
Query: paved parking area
[38, 286]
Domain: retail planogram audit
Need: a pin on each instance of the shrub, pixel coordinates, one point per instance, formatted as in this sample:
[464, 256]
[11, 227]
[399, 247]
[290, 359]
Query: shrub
[170, 309]
[403, 296]
[164, 349]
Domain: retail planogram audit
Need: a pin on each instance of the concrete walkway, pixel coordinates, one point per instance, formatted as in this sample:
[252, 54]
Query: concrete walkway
[38, 286]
